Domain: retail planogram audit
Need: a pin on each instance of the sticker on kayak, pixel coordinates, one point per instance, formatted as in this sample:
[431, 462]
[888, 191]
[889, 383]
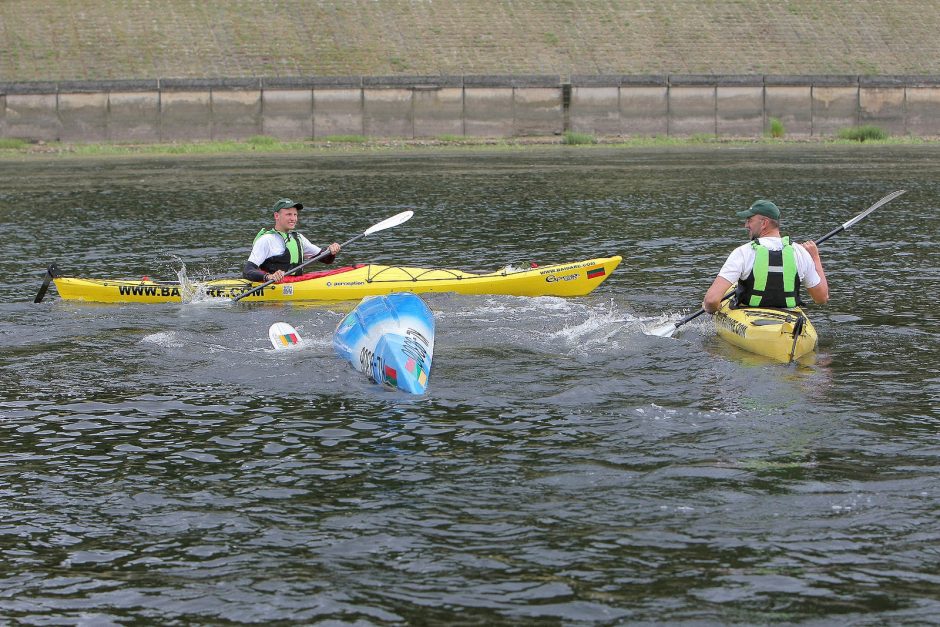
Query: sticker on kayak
[415, 347]
[418, 371]
[391, 376]
[593, 273]
[724, 320]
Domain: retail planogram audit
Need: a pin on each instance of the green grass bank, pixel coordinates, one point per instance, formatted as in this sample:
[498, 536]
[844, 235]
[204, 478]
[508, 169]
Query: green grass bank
[18, 150]
[53, 40]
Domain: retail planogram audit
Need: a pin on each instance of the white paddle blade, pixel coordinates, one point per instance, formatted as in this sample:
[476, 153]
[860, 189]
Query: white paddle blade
[883, 201]
[388, 223]
[665, 330]
[283, 336]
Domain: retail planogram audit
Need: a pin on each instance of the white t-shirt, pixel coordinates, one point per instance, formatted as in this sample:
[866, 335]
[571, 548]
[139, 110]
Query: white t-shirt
[741, 261]
[272, 244]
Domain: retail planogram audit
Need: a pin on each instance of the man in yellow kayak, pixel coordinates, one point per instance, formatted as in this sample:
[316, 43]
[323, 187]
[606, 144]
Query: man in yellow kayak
[277, 250]
[769, 269]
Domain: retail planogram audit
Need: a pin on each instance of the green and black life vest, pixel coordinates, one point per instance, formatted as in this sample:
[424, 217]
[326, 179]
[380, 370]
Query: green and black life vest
[291, 257]
[774, 281]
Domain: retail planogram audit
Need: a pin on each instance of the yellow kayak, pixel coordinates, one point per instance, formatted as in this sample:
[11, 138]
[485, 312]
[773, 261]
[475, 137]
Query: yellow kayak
[566, 279]
[781, 334]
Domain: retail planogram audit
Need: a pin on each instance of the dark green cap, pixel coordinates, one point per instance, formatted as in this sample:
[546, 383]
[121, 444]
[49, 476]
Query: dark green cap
[761, 208]
[284, 203]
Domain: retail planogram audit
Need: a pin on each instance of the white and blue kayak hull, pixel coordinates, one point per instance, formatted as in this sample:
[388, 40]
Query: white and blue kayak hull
[390, 339]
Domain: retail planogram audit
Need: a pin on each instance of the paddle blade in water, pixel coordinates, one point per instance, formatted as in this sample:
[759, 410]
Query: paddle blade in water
[284, 336]
[665, 330]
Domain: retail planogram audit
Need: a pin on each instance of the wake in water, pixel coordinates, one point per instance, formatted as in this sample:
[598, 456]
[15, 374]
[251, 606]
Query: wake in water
[165, 339]
[598, 329]
[543, 325]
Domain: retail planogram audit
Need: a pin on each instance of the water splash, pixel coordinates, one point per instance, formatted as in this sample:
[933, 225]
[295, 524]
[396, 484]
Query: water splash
[166, 339]
[188, 289]
[513, 268]
[597, 329]
[193, 291]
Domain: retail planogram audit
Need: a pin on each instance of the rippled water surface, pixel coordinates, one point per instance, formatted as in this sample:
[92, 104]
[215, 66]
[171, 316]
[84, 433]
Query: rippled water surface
[162, 464]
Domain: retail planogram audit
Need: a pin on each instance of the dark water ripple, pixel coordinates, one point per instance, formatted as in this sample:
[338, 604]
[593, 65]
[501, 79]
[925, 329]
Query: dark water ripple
[163, 464]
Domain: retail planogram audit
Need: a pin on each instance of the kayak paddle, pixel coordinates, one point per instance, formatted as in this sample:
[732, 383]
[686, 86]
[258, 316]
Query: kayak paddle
[388, 223]
[51, 272]
[283, 336]
[667, 330]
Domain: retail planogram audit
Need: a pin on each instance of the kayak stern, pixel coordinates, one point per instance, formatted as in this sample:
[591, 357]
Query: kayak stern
[780, 334]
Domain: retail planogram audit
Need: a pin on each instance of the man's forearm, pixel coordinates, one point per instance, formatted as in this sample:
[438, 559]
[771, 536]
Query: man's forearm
[253, 273]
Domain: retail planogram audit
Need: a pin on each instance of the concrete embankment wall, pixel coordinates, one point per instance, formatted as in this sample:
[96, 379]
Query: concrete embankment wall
[478, 106]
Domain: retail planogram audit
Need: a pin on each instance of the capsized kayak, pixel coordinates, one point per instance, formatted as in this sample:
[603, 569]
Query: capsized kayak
[781, 334]
[390, 339]
[354, 283]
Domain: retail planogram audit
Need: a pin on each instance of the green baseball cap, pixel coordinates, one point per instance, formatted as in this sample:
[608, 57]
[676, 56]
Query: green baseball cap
[284, 203]
[761, 208]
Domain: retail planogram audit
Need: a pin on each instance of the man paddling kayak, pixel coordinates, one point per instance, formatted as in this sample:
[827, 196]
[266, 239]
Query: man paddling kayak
[769, 269]
[277, 250]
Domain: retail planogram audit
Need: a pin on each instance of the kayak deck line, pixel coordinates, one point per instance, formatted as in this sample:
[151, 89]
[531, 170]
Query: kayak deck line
[461, 275]
[421, 276]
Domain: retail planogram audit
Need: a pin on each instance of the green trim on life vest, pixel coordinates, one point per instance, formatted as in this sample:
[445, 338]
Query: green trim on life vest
[291, 241]
[762, 269]
[789, 272]
[759, 272]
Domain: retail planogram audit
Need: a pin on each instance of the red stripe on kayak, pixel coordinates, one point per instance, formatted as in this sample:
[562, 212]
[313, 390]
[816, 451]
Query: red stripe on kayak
[320, 274]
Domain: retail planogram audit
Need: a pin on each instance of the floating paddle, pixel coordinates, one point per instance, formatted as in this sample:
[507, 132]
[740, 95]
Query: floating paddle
[388, 223]
[667, 330]
[283, 336]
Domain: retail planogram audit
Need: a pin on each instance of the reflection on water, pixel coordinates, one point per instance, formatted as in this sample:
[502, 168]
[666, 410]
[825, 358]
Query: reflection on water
[164, 464]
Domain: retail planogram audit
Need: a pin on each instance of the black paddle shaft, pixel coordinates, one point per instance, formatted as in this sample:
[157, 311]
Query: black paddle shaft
[834, 231]
[51, 272]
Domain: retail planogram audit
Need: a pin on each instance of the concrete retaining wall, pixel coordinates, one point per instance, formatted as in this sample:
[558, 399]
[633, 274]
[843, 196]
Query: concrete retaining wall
[483, 106]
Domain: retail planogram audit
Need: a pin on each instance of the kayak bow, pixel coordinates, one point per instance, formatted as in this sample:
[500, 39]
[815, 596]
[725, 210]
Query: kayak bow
[390, 339]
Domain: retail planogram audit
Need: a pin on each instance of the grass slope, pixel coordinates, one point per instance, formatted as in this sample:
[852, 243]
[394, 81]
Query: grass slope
[114, 39]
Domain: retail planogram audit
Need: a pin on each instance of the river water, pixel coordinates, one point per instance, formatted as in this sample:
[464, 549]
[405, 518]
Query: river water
[162, 464]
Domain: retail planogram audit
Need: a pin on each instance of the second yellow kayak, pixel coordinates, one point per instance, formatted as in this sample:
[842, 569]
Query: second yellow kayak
[781, 334]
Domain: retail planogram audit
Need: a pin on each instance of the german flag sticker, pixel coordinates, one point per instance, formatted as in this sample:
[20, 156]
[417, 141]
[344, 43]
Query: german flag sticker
[593, 273]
